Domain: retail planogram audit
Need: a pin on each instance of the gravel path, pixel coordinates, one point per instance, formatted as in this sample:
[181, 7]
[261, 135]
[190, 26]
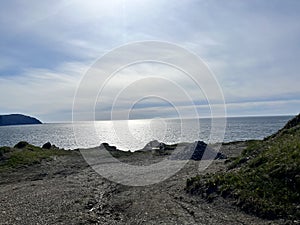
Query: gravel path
[67, 191]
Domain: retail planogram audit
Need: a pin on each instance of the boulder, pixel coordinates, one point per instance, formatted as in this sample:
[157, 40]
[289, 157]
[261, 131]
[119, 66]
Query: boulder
[198, 150]
[21, 144]
[204, 152]
[154, 145]
[47, 145]
[108, 147]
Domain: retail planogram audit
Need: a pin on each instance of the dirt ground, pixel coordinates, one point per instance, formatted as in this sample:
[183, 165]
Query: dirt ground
[66, 190]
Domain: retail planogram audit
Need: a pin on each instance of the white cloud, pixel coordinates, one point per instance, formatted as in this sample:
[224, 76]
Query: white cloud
[41, 92]
[252, 49]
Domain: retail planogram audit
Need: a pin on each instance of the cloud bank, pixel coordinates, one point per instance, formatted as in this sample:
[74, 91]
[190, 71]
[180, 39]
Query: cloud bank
[251, 46]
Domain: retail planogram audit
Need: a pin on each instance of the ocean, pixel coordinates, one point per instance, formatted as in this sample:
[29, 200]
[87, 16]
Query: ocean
[135, 134]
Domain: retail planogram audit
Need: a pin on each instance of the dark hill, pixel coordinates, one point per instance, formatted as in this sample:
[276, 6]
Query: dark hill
[17, 119]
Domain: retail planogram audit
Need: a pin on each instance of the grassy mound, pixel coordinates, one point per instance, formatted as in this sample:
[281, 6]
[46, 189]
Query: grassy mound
[24, 154]
[264, 180]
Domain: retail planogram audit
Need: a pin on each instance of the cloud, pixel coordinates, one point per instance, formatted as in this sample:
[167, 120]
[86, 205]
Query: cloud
[41, 92]
[251, 46]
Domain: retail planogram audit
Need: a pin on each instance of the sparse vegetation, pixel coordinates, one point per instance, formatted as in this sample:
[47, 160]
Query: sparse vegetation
[264, 180]
[24, 154]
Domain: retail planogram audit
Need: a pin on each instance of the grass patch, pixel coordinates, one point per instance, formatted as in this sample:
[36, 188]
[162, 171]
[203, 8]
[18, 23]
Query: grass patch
[25, 155]
[264, 180]
[119, 153]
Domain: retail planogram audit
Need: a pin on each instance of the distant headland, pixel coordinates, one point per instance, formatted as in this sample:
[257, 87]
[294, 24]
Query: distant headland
[17, 119]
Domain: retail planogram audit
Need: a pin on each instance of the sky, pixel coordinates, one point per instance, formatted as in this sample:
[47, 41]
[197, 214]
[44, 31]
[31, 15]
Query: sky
[46, 48]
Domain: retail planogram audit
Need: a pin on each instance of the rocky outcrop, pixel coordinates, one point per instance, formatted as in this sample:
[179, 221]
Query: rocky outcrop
[293, 123]
[17, 119]
[108, 147]
[21, 144]
[47, 145]
[198, 150]
[156, 145]
[204, 152]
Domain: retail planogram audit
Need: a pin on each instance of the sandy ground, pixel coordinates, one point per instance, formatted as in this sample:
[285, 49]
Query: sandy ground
[68, 191]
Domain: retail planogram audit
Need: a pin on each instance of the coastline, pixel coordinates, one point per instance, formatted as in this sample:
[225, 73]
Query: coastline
[66, 190]
[62, 135]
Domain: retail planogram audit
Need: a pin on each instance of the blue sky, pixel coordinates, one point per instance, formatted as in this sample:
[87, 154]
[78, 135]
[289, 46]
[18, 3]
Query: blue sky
[46, 47]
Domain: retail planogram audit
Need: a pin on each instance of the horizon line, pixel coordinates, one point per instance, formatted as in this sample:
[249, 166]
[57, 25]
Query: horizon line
[172, 118]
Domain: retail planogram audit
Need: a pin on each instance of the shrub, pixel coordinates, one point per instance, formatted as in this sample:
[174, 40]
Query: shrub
[264, 180]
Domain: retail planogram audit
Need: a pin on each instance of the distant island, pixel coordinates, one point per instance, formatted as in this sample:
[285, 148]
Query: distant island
[17, 119]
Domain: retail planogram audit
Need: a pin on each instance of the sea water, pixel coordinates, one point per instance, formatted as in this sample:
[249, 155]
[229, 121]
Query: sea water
[134, 134]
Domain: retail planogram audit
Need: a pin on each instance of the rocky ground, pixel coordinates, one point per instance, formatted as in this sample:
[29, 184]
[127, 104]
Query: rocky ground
[66, 190]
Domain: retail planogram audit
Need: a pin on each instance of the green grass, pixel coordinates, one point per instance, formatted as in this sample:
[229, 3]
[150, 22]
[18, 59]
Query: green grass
[264, 180]
[19, 157]
[119, 153]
